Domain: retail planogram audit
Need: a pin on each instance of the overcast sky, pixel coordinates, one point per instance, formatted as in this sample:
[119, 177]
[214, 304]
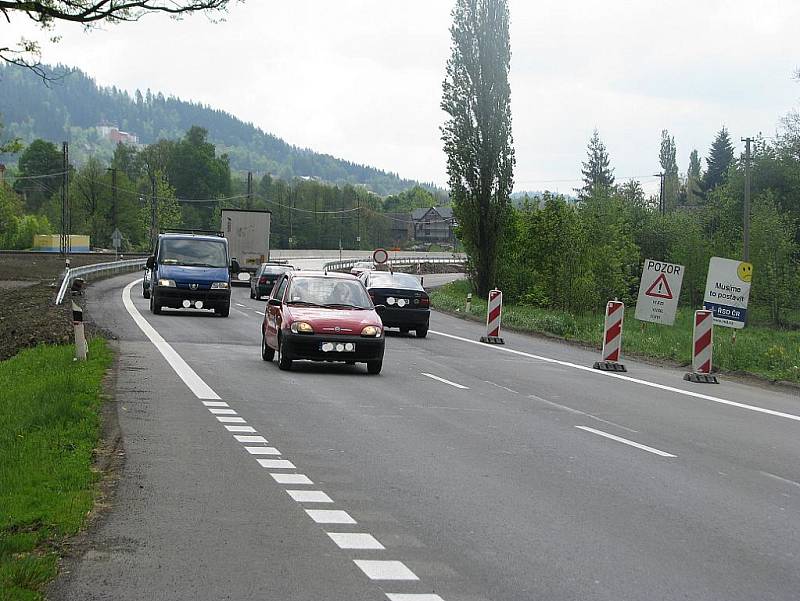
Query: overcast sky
[361, 79]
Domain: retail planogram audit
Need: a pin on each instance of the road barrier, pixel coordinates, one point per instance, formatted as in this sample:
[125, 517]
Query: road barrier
[111, 268]
[702, 347]
[494, 312]
[346, 264]
[612, 338]
[81, 347]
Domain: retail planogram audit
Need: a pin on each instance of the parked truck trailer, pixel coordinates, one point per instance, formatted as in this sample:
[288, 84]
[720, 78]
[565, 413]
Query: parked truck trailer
[247, 232]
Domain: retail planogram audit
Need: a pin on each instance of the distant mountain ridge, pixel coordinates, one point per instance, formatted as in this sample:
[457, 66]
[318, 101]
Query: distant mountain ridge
[72, 108]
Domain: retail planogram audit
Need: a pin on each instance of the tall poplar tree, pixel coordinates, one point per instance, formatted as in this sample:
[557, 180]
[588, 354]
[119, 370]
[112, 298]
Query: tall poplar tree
[477, 136]
[669, 166]
[597, 171]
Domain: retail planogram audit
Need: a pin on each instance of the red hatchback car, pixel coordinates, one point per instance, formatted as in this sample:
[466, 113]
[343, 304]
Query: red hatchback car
[321, 317]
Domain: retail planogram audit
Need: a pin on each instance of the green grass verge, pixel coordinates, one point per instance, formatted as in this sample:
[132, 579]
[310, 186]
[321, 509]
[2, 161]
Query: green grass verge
[770, 353]
[49, 427]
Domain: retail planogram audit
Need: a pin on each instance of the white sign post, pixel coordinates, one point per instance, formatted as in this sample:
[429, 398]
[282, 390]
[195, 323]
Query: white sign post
[659, 291]
[728, 290]
[116, 240]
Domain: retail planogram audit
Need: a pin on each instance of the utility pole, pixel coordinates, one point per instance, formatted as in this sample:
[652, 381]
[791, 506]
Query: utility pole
[153, 212]
[746, 212]
[65, 219]
[113, 171]
[358, 223]
[662, 209]
[249, 189]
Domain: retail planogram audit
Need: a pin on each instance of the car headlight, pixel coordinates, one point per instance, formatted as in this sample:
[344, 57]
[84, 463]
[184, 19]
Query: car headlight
[372, 331]
[219, 286]
[168, 283]
[301, 327]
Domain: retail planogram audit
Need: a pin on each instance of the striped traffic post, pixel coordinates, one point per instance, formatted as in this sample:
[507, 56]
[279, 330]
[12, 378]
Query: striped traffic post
[494, 312]
[612, 338]
[702, 347]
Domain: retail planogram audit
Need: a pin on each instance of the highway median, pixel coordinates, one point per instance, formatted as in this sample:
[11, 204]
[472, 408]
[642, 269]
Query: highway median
[767, 353]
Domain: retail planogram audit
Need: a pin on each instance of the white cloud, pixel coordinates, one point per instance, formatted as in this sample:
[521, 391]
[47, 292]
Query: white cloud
[361, 79]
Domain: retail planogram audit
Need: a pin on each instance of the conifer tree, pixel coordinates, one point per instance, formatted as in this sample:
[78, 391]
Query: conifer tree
[719, 160]
[597, 172]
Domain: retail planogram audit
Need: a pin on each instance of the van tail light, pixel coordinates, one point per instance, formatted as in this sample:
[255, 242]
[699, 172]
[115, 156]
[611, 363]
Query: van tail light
[424, 302]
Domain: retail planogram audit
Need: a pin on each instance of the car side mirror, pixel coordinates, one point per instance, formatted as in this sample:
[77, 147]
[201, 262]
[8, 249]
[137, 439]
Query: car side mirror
[275, 302]
[235, 267]
[151, 261]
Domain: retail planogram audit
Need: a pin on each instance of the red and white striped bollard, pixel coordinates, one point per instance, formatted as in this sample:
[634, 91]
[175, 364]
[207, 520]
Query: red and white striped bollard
[612, 338]
[702, 348]
[494, 312]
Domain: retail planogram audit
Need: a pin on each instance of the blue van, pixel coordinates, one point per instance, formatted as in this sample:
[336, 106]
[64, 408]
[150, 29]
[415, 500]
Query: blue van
[191, 271]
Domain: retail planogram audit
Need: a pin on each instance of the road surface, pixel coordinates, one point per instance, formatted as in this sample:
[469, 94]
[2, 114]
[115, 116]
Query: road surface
[462, 472]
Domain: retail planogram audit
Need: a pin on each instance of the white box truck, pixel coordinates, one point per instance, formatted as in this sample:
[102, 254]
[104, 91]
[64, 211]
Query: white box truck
[247, 232]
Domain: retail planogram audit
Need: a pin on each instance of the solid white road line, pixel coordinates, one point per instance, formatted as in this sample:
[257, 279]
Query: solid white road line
[309, 496]
[221, 411]
[413, 597]
[251, 439]
[780, 479]
[438, 379]
[608, 374]
[626, 441]
[240, 429]
[330, 516]
[263, 450]
[276, 464]
[355, 540]
[291, 478]
[385, 570]
[200, 389]
[215, 404]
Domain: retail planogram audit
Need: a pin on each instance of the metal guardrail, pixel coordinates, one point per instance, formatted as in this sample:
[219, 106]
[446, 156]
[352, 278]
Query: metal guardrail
[97, 269]
[348, 263]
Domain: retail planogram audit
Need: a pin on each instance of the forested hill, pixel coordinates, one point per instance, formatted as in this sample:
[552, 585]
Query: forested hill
[71, 107]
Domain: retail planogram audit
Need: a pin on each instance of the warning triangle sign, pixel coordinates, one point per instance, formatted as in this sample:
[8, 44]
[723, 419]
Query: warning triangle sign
[660, 288]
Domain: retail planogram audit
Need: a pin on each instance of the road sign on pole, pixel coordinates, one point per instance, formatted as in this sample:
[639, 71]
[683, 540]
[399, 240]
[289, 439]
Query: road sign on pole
[380, 256]
[659, 291]
[116, 239]
[728, 290]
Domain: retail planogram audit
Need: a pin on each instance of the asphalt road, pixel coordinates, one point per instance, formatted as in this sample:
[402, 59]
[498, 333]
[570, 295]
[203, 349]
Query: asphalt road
[505, 473]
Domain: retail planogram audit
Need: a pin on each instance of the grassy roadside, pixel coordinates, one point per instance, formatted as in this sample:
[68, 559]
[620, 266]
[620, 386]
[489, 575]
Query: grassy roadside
[769, 353]
[49, 427]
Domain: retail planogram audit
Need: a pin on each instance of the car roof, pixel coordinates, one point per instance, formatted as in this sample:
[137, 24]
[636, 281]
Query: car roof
[323, 274]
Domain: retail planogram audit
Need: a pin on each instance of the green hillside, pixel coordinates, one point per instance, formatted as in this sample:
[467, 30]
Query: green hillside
[73, 106]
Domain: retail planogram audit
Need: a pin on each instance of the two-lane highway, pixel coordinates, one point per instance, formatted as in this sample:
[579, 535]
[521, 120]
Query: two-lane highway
[463, 471]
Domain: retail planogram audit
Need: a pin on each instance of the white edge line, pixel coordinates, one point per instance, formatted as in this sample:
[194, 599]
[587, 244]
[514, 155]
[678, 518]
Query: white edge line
[608, 374]
[445, 381]
[626, 441]
[200, 389]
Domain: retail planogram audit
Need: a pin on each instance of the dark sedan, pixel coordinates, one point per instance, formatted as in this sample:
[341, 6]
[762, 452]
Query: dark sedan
[264, 279]
[401, 301]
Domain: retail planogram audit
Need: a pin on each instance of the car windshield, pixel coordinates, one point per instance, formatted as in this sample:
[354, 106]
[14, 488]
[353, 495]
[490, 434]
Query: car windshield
[394, 280]
[329, 292]
[193, 252]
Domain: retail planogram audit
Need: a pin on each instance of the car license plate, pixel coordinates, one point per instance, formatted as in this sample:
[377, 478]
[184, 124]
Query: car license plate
[337, 347]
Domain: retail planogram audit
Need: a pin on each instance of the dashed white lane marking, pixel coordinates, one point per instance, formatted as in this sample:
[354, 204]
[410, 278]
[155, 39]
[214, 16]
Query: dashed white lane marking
[626, 441]
[240, 429]
[385, 570]
[506, 388]
[241, 305]
[221, 411]
[276, 464]
[251, 439]
[413, 597]
[355, 540]
[579, 412]
[263, 450]
[239, 312]
[291, 478]
[780, 479]
[437, 378]
[330, 516]
[608, 374]
[200, 389]
[309, 496]
[225, 419]
[215, 404]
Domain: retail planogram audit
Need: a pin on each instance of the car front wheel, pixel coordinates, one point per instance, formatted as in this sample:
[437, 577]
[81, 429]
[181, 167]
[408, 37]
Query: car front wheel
[284, 362]
[374, 367]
